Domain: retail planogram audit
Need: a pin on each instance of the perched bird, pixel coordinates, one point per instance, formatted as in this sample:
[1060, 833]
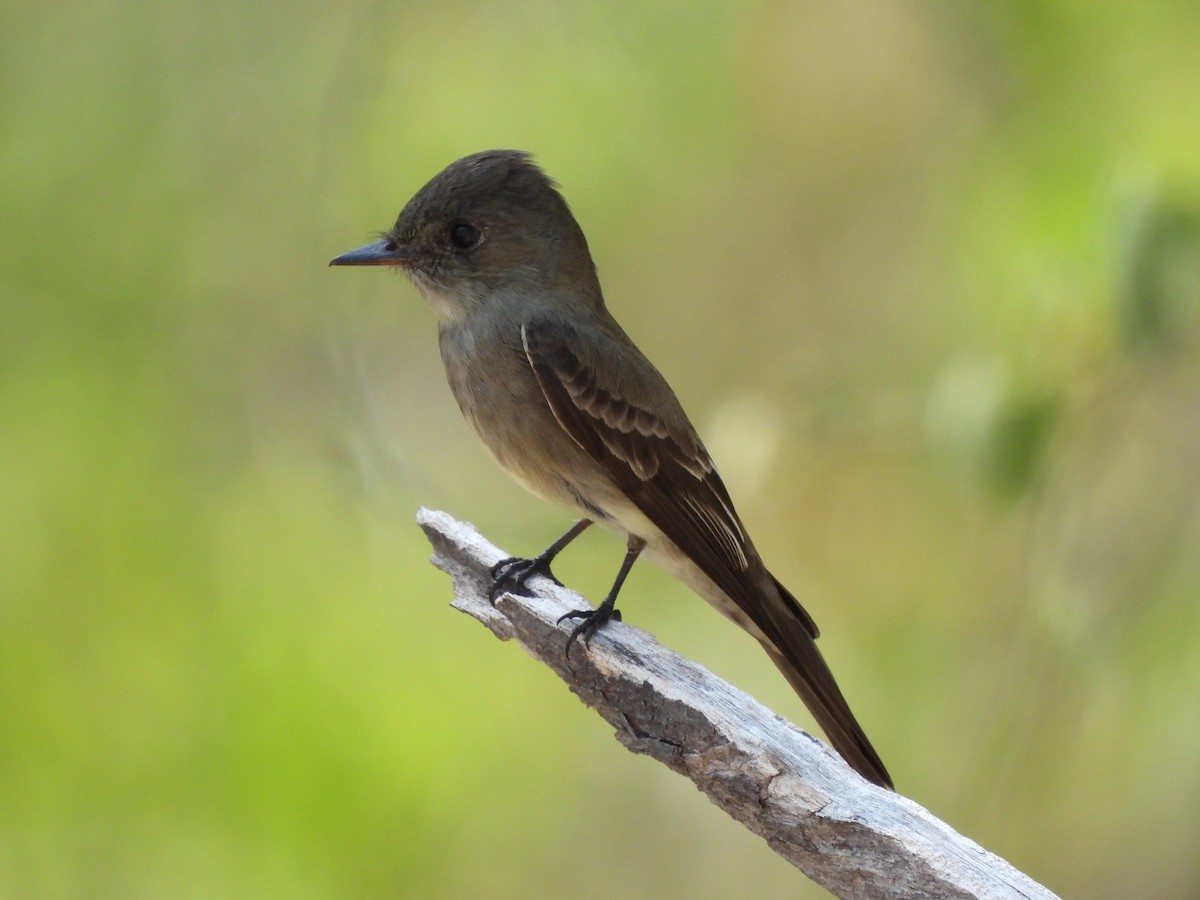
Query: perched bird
[572, 410]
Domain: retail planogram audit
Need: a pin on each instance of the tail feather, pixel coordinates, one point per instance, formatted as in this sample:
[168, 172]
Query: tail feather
[816, 687]
[794, 651]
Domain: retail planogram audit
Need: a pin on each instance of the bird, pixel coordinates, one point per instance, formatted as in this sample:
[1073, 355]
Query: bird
[572, 410]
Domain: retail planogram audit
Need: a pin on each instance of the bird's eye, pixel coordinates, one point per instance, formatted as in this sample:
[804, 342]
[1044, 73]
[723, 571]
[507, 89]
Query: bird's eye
[464, 236]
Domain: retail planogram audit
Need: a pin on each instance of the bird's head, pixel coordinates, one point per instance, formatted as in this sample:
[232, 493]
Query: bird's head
[489, 229]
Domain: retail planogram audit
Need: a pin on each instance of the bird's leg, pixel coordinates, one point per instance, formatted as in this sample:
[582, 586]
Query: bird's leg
[594, 618]
[510, 574]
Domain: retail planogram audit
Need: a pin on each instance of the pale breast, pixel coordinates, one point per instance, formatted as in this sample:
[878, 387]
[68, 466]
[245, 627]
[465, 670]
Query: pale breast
[501, 399]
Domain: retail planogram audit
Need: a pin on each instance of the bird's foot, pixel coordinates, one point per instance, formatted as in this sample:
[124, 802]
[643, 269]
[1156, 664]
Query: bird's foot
[509, 576]
[592, 620]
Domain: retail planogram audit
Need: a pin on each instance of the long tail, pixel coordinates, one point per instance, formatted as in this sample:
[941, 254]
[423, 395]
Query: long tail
[816, 687]
[806, 670]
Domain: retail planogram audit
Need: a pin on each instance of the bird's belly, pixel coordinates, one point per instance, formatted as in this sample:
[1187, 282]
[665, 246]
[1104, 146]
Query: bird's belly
[673, 561]
[515, 424]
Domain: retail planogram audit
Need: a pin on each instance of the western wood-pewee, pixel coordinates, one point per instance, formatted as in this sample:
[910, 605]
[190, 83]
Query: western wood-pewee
[572, 410]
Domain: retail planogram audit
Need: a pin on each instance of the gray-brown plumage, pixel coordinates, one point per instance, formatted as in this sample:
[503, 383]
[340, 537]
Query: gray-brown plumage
[573, 411]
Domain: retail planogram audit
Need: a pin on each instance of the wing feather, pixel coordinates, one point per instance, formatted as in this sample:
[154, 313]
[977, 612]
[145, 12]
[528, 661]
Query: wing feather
[659, 463]
[661, 466]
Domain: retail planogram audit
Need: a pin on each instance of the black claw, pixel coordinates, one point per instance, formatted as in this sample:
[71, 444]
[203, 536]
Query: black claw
[509, 576]
[500, 568]
[592, 620]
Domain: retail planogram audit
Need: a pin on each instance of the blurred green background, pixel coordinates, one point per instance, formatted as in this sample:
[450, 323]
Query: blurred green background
[927, 275]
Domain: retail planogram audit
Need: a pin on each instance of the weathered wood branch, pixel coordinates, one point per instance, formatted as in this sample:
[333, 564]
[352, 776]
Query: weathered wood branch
[855, 839]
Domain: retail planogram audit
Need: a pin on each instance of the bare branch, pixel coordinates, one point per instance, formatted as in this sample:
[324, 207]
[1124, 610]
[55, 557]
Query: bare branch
[855, 839]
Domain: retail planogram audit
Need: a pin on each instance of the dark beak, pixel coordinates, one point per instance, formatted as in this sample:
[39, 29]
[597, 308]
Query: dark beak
[383, 252]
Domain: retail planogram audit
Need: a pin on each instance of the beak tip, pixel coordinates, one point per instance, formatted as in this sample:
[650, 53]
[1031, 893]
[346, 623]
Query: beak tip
[380, 253]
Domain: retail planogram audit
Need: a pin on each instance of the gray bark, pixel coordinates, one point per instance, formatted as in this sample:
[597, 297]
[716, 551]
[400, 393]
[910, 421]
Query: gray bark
[855, 839]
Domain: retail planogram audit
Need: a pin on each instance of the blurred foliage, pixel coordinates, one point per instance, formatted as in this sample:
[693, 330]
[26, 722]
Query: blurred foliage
[1161, 302]
[926, 274]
